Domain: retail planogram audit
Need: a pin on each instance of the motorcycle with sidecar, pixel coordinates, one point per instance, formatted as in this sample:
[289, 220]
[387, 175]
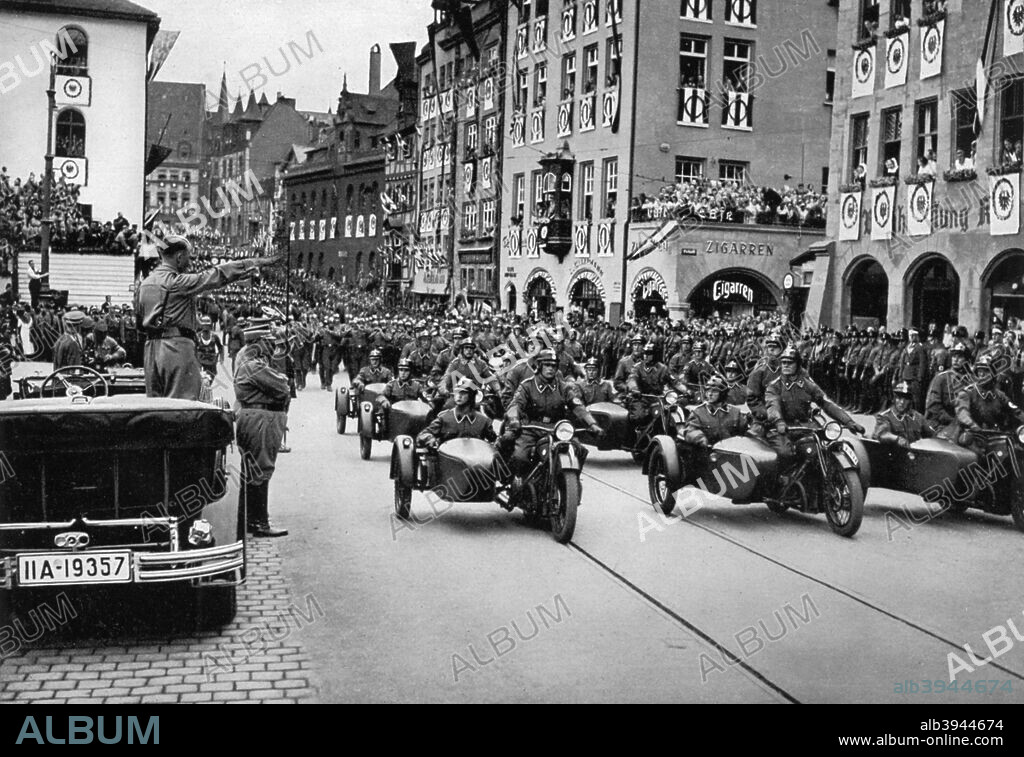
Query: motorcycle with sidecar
[404, 418]
[472, 471]
[953, 476]
[347, 402]
[822, 476]
[667, 415]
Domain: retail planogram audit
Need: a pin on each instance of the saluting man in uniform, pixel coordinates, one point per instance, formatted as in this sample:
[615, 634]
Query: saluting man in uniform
[263, 394]
[165, 305]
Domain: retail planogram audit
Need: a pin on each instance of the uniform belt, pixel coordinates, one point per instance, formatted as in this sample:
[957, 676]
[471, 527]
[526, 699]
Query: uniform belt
[170, 333]
[262, 406]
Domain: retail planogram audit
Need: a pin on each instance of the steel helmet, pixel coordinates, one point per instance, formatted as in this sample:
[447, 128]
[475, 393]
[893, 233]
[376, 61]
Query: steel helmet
[405, 364]
[959, 349]
[466, 385]
[985, 361]
[546, 356]
[592, 363]
[375, 353]
[466, 342]
[700, 347]
[733, 365]
[716, 383]
[773, 341]
[687, 339]
[636, 339]
[902, 389]
[650, 348]
[790, 354]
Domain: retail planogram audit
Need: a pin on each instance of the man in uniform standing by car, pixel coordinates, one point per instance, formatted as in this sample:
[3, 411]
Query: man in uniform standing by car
[165, 306]
[262, 393]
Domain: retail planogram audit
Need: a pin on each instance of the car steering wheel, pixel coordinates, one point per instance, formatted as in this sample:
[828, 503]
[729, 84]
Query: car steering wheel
[77, 380]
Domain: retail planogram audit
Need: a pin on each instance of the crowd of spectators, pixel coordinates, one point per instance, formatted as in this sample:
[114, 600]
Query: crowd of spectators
[725, 201]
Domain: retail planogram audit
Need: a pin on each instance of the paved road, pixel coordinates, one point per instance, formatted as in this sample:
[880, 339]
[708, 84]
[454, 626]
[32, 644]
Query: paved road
[730, 604]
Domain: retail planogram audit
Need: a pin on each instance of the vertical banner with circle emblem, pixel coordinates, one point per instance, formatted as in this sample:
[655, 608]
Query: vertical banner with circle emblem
[864, 71]
[606, 238]
[849, 216]
[581, 240]
[919, 209]
[1013, 27]
[1005, 204]
[896, 60]
[565, 119]
[514, 242]
[931, 49]
[883, 202]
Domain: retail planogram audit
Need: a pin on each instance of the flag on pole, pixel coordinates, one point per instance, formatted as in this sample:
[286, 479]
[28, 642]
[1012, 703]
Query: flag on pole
[981, 74]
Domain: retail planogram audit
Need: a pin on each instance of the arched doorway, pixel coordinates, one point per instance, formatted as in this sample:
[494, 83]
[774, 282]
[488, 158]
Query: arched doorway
[540, 297]
[1003, 286]
[867, 293]
[587, 295]
[934, 290]
[649, 295]
[733, 293]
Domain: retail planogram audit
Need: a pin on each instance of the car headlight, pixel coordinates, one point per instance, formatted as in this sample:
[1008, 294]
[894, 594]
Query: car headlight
[200, 534]
[833, 431]
[564, 431]
[1020, 434]
[671, 398]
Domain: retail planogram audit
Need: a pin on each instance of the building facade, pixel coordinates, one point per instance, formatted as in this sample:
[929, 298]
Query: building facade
[638, 98]
[175, 120]
[99, 126]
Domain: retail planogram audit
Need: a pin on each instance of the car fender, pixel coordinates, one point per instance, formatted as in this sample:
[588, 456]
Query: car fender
[403, 461]
[666, 447]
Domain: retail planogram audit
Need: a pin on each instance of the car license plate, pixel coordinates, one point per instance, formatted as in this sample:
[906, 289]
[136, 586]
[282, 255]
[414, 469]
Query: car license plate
[75, 568]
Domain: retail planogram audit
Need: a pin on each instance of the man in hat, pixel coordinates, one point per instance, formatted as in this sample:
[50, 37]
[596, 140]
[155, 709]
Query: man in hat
[626, 364]
[901, 424]
[460, 422]
[69, 349]
[262, 393]
[103, 348]
[913, 365]
[166, 309]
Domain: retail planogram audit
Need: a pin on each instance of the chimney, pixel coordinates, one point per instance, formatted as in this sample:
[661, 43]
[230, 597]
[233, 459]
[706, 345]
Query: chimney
[374, 70]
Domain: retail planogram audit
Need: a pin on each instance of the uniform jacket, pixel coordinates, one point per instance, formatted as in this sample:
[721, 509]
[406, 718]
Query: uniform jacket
[68, 350]
[712, 423]
[913, 363]
[649, 379]
[168, 298]
[537, 401]
[986, 408]
[789, 399]
[371, 375]
[451, 424]
[399, 391]
[595, 391]
[622, 373]
[940, 406]
[891, 426]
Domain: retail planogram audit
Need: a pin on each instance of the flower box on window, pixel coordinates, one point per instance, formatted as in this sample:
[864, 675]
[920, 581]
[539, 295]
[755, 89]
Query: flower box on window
[865, 42]
[932, 19]
[1004, 170]
[919, 178]
[963, 174]
[884, 181]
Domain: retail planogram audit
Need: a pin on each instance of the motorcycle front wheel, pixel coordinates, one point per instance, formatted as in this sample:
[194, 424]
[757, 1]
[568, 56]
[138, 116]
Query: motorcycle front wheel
[843, 498]
[403, 500]
[657, 485]
[563, 522]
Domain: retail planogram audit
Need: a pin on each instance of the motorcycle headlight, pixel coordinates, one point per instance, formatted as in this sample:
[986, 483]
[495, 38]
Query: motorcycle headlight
[833, 431]
[671, 398]
[564, 431]
[1020, 434]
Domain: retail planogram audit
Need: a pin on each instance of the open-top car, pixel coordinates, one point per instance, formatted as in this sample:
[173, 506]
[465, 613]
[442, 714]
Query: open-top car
[954, 477]
[120, 490]
[405, 418]
[347, 402]
[111, 381]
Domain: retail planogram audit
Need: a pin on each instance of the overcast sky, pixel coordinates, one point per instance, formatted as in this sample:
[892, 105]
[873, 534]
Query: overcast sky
[240, 33]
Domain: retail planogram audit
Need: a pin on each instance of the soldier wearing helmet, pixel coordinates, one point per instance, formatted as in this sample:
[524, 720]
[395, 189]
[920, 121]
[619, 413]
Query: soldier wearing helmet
[648, 377]
[765, 372]
[940, 405]
[450, 351]
[467, 364]
[982, 406]
[901, 424]
[401, 388]
[681, 357]
[463, 421]
[543, 399]
[625, 366]
[736, 389]
[421, 357]
[697, 372]
[166, 310]
[373, 373]
[716, 419]
[789, 399]
[593, 388]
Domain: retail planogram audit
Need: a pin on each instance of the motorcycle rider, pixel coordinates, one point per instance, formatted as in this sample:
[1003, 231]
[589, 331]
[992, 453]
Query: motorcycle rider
[625, 366]
[678, 362]
[940, 408]
[765, 372]
[460, 422]
[593, 388]
[789, 399]
[651, 378]
[697, 372]
[542, 399]
[983, 406]
[736, 389]
[400, 389]
[374, 373]
[716, 419]
[901, 424]
[466, 364]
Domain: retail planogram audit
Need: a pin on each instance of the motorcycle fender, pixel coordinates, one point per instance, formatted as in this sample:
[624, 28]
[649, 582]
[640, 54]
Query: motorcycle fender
[403, 461]
[857, 454]
[846, 456]
[366, 419]
[341, 401]
[567, 459]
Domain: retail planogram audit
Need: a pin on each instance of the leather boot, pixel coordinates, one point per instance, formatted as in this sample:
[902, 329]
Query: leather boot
[262, 527]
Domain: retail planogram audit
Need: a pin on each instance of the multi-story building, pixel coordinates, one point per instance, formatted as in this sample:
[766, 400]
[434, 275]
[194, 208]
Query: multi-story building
[333, 187]
[100, 51]
[922, 235]
[629, 98]
[175, 120]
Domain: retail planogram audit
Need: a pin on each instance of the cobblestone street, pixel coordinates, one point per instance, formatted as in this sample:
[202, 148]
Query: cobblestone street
[258, 658]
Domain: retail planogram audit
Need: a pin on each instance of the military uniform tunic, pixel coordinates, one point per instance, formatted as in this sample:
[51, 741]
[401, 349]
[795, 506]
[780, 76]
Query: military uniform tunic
[890, 427]
[710, 424]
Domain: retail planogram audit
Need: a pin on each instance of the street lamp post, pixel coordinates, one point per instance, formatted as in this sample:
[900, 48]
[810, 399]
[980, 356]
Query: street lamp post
[47, 220]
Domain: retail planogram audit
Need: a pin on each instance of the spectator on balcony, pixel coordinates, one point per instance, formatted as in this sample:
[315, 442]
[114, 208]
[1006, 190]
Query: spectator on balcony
[925, 167]
[892, 167]
[963, 163]
[1010, 155]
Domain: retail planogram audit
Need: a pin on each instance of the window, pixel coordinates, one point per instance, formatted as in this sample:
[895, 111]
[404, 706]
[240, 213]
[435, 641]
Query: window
[519, 196]
[524, 15]
[593, 56]
[72, 42]
[613, 7]
[614, 60]
[868, 19]
[830, 86]
[696, 10]
[742, 12]
[964, 114]
[736, 66]
[899, 14]
[161, 199]
[611, 187]
[858, 142]
[70, 134]
[688, 169]
[472, 139]
[731, 170]
[487, 215]
[469, 218]
[587, 191]
[538, 195]
[1011, 113]
[693, 61]
[824, 179]
[491, 131]
[540, 84]
[927, 145]
[522, 89]
[568, 76]
[892, 136]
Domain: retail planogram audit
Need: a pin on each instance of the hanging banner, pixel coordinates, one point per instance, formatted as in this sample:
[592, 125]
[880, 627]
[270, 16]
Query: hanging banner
[849, 216]
[931, 49]
[1005, 204]
[896, 60]
[882, 203]
[919, 209]
[864, 71]
[1013, 27]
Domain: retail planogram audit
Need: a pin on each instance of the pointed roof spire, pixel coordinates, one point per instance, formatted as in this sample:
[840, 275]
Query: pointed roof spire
[264, 102]
[252, 110]
[344, 86]
[237, 112]
[223, 100]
